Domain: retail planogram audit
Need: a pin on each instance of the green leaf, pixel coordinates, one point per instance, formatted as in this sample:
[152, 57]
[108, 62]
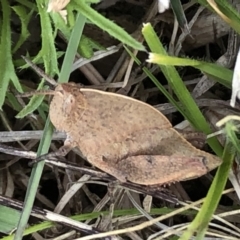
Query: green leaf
[85, 48]
[9, 218]
[12, 101]
[7, 71]
[48, 51]
[24, 18]
[33, 104]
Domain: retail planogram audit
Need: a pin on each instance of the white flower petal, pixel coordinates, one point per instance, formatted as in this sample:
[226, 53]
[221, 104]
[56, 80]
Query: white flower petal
[236, 81]
[163, 5]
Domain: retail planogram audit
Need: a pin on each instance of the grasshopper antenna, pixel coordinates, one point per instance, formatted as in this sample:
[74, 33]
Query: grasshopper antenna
[40, 72]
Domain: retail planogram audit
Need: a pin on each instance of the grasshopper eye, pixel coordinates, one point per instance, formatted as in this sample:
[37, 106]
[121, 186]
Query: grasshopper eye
[68, 104]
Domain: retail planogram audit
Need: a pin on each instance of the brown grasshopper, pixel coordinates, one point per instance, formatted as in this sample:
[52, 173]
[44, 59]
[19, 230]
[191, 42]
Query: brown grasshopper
[124, 137]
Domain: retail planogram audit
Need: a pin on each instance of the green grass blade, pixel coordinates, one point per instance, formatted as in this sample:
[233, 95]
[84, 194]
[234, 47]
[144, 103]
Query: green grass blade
[48, 130]
[179, 14]
[34, 181]
[72, 48]
[222, 74]
[107, 25]
[86, 45]
[191, 110]
[201, 221]
[7, 71]
[227, 9]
